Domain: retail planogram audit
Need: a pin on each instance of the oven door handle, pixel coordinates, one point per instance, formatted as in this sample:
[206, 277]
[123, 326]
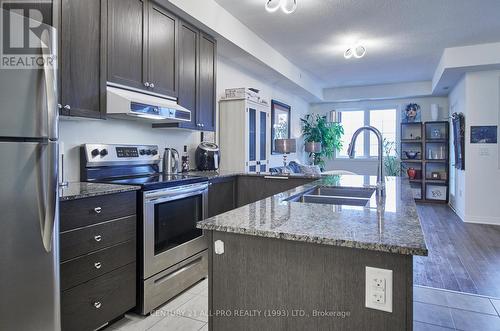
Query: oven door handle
[175, 192]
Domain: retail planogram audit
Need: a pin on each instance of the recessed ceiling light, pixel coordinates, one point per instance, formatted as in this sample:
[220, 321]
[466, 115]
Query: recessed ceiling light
[287, 6]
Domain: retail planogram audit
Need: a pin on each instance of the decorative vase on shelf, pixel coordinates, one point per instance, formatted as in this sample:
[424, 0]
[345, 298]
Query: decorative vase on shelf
[411, 173]
[434, 112]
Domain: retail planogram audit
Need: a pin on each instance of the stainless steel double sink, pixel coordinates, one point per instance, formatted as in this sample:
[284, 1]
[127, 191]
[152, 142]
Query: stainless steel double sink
[335, 196]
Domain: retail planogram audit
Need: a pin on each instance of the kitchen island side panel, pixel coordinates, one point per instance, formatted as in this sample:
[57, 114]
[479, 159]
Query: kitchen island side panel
[323, 286]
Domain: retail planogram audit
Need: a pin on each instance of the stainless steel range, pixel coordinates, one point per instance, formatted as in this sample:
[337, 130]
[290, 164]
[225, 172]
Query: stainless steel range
[172, 251]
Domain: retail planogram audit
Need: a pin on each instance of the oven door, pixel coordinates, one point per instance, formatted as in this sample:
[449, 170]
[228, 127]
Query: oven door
[170, 234]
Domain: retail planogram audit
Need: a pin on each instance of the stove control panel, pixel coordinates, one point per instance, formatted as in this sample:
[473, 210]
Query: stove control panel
[106, 155]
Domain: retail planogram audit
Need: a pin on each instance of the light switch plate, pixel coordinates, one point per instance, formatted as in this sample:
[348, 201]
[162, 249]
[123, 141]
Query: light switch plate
[378, 289]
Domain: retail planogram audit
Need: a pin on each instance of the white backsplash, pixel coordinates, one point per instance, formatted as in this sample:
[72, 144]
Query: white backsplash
[75, 132]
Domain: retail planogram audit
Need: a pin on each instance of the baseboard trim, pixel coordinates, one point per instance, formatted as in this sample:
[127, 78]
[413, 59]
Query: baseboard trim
[482, 220]
[462, 217]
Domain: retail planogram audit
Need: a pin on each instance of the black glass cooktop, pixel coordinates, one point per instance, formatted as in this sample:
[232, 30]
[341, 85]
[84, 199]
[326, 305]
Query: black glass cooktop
[156, 181]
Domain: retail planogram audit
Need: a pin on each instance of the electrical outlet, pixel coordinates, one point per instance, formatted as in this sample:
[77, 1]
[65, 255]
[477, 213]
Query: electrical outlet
[378, 289]
[378, 284]
[378, 297]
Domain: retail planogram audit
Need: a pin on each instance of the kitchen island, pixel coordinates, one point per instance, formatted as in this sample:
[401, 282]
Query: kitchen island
[283, 264]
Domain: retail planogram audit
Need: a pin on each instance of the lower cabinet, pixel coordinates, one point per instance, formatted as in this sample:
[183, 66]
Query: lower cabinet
[100, 300]
[227, 193]
[221, 195]
[255, 188]
[98, 260]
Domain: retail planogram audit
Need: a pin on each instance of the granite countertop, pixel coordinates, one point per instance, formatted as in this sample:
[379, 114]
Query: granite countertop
[81, 190]
[389, 225]
[223, 174]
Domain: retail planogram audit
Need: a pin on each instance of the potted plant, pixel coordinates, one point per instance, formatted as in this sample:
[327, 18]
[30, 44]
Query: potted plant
[316, 129]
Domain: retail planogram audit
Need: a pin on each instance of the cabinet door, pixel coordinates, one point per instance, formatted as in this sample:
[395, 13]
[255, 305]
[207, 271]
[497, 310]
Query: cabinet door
[126, 36]
[206, 83]
[80, 58]
[252, 137]
[188, 75]
[264, 140]
[221, 196]
[161, 49]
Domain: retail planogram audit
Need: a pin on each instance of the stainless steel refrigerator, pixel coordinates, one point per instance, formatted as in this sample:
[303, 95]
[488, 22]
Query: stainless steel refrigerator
[29, 257]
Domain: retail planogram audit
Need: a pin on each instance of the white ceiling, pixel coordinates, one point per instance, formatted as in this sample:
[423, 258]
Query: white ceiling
[404, 38]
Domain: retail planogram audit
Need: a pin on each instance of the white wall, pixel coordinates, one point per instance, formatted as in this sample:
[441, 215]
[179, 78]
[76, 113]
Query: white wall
[458, 105]
[75, 132]
[230, 75]
[482, 174]
[369, 167]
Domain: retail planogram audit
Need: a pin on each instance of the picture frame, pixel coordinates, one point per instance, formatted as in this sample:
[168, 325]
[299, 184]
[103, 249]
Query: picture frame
[486, 134]
[280, 122]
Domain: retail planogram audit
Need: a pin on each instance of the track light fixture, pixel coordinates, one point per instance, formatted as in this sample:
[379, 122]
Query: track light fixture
[287, 6]
[357, 51]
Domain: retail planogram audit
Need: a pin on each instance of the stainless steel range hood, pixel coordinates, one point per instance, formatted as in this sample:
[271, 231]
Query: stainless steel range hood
[123, 103]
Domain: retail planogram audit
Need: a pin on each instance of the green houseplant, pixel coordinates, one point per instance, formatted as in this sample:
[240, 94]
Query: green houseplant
[392, 161]
[316, 128]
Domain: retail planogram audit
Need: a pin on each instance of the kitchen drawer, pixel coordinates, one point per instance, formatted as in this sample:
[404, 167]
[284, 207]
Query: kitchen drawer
[84, 240]
[82, 269]
[165, 285]
[84, 212]
[92, 304]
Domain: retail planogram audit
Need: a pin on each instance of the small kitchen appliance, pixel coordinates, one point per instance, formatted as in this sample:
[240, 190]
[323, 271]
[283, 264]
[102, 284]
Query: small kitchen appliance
[207, 156]
[172, 251]
[170, 161]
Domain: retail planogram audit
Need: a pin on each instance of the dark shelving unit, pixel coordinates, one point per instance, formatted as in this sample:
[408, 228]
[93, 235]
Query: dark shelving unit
[431, 139]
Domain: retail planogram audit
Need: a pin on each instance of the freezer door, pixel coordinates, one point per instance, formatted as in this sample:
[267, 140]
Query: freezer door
[28, 97]
[29, 250]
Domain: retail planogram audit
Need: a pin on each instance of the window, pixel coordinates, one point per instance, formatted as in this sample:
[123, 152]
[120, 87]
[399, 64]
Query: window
[367, 145]
[385, 121]
[351, 121]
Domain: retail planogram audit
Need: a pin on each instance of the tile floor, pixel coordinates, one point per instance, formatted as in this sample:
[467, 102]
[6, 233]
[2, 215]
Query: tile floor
[433, 310]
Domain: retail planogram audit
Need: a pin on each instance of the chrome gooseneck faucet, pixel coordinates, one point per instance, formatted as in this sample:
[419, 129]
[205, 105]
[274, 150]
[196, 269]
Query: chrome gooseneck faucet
[380, 171]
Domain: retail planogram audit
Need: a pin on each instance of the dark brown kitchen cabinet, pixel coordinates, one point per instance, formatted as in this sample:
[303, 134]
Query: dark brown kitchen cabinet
[142, 46]
[221, 195]
[188, 72]
[254, 188]
[81, 91]
[98, 259]
[125, 43]
[206, 83]
[197, 70]
[162, 51]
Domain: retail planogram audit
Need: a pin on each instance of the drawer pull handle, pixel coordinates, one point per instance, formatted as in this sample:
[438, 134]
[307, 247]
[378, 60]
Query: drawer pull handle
[97, 304]
[98, 265]
[98, 210]
[98, 238]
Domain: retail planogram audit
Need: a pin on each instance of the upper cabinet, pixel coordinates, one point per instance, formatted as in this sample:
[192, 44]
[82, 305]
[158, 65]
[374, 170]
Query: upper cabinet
[188, 71]
[197, 70]
[81, 91]
[139, 45]
[206, 110]
[162, 51]
[125, 43]
[142, 52]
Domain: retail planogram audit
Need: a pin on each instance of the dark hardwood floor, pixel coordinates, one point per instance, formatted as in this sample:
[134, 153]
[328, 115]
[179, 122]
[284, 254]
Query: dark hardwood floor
[462, 257]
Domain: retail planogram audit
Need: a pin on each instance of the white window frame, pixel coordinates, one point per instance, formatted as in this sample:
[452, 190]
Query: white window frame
[366, 135]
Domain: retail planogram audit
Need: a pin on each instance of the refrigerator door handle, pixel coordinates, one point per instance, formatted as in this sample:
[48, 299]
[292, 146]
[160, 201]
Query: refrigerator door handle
[48, 46]
[48, 193]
